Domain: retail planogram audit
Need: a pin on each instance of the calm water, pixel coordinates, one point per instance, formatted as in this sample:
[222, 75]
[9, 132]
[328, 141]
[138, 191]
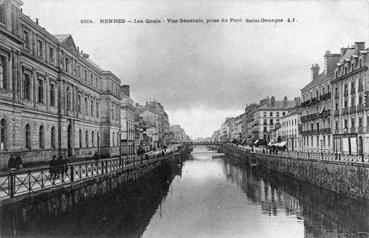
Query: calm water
[206, 197]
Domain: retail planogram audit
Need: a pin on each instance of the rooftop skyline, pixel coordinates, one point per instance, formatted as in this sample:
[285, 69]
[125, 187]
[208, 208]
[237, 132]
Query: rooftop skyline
[202, 73]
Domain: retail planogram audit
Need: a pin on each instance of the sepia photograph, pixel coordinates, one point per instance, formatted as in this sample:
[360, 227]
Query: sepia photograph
[184, 118]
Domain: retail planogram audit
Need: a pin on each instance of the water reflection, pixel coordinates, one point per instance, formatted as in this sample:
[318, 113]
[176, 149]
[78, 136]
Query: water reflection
[224, 198]
[206, 197]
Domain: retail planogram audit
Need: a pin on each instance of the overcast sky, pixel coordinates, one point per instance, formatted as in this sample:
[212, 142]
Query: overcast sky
[203, 73]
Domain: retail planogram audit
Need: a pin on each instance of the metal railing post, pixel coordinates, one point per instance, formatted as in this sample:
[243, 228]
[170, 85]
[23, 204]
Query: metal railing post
[71, 174]
[11, 182]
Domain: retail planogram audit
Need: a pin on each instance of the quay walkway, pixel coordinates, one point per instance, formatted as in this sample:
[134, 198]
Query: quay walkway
[360, 160]
[26, 181]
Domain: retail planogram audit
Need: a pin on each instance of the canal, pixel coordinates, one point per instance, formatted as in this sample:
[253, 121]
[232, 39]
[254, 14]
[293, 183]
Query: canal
[209, 195]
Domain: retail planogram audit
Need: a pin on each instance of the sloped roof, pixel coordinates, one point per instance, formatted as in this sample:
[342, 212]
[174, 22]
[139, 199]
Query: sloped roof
[349, 52]
[62, 37]
[322, 78]
[278, 105]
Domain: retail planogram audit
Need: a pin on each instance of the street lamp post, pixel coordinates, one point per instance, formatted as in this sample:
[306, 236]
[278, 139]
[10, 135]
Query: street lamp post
[120, 147]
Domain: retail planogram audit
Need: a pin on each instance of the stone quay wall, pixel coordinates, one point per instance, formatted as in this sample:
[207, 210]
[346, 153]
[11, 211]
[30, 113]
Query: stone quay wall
[343, 178]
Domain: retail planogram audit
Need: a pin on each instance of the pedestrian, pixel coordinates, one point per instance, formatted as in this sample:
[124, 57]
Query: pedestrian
[19, 162]
[52, 165]
[59, 164]
[11, 162]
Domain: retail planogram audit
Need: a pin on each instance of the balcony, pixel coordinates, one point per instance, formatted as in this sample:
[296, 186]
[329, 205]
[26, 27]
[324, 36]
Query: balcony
[305, 104]
[353, 109]
[314, 100]
[360, 108]
[326, 96]
[325, 113]
[325, 130]
[310, 132]
[303, 119]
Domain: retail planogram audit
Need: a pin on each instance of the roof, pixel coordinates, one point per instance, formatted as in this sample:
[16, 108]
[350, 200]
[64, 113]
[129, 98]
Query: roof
[349, 52]
[278, 105]
[62, 37]
[322, 78]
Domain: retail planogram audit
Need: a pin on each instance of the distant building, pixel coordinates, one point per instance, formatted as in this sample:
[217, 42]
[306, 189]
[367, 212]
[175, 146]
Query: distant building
[268, 114]
[290, 130]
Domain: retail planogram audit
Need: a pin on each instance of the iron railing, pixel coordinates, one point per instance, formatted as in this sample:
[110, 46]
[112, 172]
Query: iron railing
[25, 181]
[341, 158]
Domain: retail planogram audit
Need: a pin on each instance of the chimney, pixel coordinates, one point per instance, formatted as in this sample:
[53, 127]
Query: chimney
[268, 101]
[359, 46]
[330, 62]
[37, 21]
[314, 71]
[272, 101]
[285, 101]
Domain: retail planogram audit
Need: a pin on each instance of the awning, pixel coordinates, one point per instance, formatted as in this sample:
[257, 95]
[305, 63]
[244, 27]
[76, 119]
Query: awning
[270, 144]
[256, 142]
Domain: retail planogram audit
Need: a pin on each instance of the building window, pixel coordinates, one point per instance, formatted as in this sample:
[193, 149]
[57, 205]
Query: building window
[39, 48]
[97, 109]
[41, 137]
[284, 113]
[51, 55]
[52, 94]
[79, 103]
[86, 139]
[52, 137]
[80, 138]
[68, 99]
[26, 38]
[92, 107]
[91, 79]
[85, 75]
[27, 86]
[28, 136]
[3, 134]
[40, 90]
[93, 138]
[67, 63]
[113, 139]
[86, 106]
[3, 78]
[345, 124]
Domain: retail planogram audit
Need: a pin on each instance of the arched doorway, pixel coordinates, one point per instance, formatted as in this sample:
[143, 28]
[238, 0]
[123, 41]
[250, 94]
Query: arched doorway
[69, 140]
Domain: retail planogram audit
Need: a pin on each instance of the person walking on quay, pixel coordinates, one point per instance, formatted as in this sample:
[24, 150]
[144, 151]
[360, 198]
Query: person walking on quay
[11, 162]
[52, 169]
[60, 167]
[19, 162]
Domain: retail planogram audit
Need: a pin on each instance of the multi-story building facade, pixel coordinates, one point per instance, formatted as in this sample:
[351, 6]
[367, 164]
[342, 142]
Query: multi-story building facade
[316, 107]
[51, 93]
[290, 130]
[127, 122]
[248, 134]
[268, 114]
[236, 129]
[178, 132]
[350, 84]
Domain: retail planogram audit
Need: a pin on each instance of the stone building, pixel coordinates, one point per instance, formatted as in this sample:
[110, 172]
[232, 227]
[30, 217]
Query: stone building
[178, 132]
[268, 114]
[248, 122]
[290, 130]
[128, 122]
[53, 98]
[350, 83]
[316, 107]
